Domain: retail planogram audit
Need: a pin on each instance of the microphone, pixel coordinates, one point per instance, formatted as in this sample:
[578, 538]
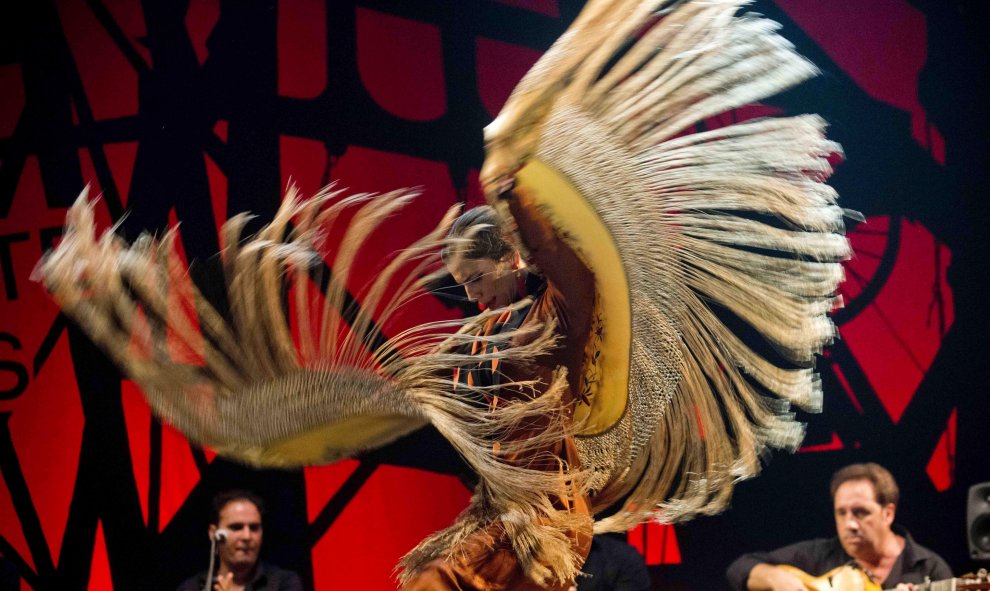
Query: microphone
[219, 536]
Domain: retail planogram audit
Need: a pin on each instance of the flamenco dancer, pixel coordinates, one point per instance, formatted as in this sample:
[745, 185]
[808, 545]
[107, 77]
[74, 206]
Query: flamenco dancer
[610, 382]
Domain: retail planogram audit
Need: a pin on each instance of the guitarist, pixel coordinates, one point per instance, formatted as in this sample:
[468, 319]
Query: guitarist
[864, 497]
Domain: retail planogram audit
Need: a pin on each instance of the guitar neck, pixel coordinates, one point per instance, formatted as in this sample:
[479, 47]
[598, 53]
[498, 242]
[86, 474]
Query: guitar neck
[943, 585]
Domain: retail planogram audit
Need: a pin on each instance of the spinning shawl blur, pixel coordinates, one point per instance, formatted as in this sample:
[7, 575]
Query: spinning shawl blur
[680, 228]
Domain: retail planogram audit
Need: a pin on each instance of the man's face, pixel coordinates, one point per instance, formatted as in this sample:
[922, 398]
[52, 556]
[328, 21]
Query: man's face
[861, 522]
[242, 520]
[490, 283]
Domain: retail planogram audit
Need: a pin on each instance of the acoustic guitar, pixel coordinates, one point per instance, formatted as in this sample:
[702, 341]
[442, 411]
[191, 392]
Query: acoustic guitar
[853, 578]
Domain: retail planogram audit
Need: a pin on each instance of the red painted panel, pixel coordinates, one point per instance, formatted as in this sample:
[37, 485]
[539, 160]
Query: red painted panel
[304, 162]
[50, 406]
[29, 316]
[88, 172]
[99, 573]
[330, 348]
[210, 454]
[201, 17]
[121, 158]
[179, 474]
[323, 482]
[401, 65]
[833, 444]
[661, 544]
[881, 44]
[896, 338]
[220, 128]
[396, 508]
[869, 241]
[129, 16]
[302, 48]
[185, 341]
[500, 67]
[657, 542]
[137, 415]
[475, 194]
[363, 169]
[109, 80]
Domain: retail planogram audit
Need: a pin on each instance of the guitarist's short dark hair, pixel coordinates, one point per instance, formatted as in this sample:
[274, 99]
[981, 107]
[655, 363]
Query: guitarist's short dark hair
[884, 486]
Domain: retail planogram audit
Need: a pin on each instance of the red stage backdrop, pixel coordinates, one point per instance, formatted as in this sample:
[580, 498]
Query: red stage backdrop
[189, 111]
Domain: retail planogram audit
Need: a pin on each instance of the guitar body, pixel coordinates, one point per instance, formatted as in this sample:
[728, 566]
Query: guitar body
[851, 578]
[843, 578]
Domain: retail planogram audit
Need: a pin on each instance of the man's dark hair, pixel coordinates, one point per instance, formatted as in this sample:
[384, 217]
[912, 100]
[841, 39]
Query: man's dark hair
[884, 486]
[223, 498]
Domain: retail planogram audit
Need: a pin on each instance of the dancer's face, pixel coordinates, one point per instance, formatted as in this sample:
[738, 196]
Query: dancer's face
[489, 282]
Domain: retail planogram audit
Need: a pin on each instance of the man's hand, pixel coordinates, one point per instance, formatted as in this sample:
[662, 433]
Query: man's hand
[906, 587]
[224, 582]
[766, 577]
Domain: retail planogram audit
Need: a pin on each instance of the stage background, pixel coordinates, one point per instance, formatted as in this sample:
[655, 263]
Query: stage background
[191, 111]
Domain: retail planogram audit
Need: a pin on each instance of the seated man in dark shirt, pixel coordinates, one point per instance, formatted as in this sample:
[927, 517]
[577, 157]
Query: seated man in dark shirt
[613, 565]
[865, 498]
[237, 515]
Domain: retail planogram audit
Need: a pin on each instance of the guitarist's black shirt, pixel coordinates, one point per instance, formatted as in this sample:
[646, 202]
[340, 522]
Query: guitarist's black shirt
[817, 557]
